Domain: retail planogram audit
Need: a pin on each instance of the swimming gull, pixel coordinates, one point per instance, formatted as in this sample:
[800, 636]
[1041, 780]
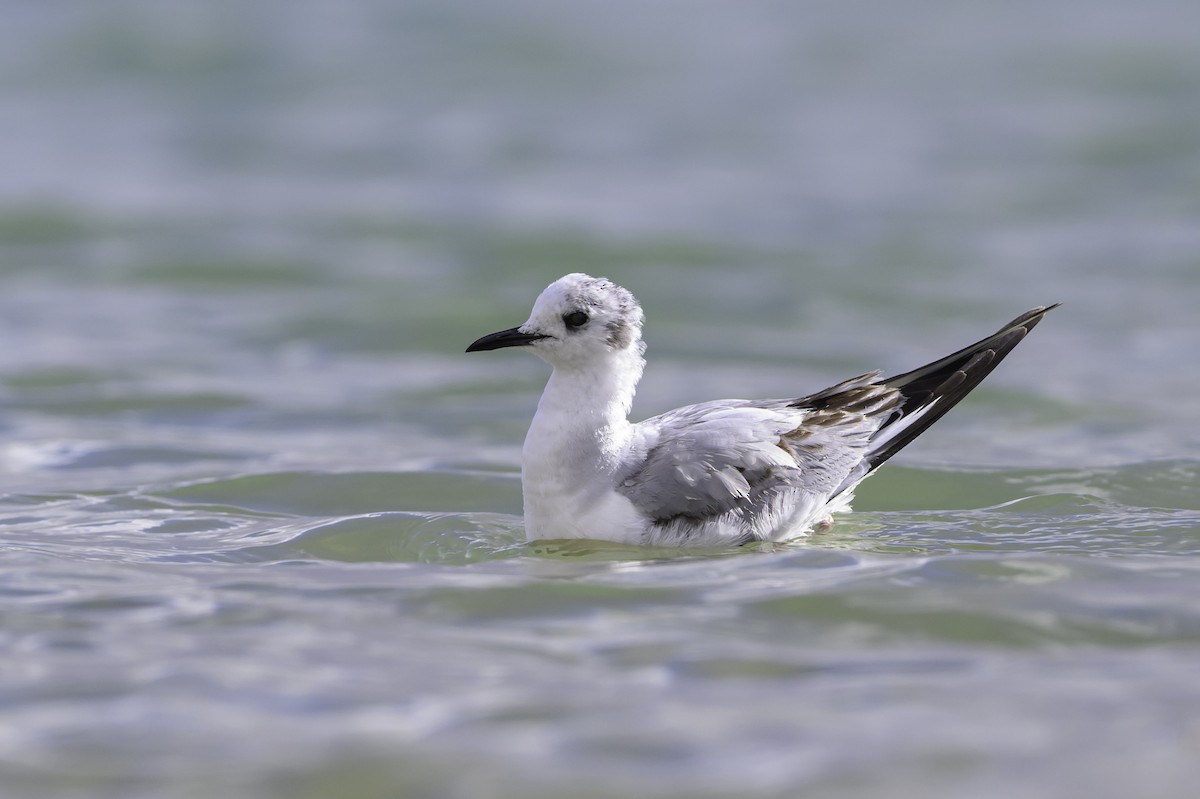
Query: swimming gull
[717, 473]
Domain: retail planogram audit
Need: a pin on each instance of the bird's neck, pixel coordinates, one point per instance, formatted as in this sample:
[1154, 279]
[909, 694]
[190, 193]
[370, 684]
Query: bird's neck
[582, 419]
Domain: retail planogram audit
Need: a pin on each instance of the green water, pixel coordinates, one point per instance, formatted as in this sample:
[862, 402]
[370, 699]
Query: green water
[260, 527]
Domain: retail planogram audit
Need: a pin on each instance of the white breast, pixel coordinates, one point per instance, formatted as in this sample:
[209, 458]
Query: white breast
[557, 510]
[568, 489]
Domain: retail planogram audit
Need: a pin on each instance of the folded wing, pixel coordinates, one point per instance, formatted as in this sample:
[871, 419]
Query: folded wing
[750, 465]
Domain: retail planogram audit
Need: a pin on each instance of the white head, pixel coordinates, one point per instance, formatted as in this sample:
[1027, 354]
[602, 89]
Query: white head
[578, 320]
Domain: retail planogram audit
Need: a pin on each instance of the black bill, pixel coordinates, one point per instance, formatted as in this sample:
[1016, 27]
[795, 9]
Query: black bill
[505, 338]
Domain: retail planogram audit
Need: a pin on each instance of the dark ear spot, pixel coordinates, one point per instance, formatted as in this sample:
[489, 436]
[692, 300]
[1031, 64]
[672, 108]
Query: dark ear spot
[620, 334]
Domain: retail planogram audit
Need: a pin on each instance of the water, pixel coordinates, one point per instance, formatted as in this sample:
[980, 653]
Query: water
[260, 524]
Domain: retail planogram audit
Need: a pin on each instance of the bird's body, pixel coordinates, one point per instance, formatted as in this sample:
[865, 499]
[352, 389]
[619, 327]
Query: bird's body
[723, 472]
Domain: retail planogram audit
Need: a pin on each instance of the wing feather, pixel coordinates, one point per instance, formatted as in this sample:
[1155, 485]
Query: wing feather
[715, 460]
[751, 465]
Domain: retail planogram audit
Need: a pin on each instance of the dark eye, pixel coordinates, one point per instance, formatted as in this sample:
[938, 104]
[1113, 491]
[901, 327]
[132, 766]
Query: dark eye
[575, 319]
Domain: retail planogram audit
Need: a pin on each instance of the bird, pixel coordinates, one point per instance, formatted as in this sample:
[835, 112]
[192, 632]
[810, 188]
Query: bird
[721, 473]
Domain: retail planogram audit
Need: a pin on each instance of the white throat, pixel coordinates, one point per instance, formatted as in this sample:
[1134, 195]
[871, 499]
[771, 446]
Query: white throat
[576, 439]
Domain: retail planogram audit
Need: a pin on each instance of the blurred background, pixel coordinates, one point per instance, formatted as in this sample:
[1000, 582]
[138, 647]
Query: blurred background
[270, 193]
[243, 245]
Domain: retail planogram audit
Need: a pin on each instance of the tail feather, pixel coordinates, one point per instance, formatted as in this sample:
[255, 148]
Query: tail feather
[931, 390]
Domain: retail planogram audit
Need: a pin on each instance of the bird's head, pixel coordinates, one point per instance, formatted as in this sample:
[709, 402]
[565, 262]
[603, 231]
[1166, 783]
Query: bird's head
[575, 321]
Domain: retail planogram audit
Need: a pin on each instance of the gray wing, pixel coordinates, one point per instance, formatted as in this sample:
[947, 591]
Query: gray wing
[739, 457]
[707, 461]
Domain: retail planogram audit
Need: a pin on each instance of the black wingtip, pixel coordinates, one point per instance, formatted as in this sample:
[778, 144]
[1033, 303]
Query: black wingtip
[948, 380]
[1030, 318]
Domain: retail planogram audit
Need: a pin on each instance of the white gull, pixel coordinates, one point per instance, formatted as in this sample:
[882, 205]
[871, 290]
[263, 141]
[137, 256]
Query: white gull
[723, 472]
